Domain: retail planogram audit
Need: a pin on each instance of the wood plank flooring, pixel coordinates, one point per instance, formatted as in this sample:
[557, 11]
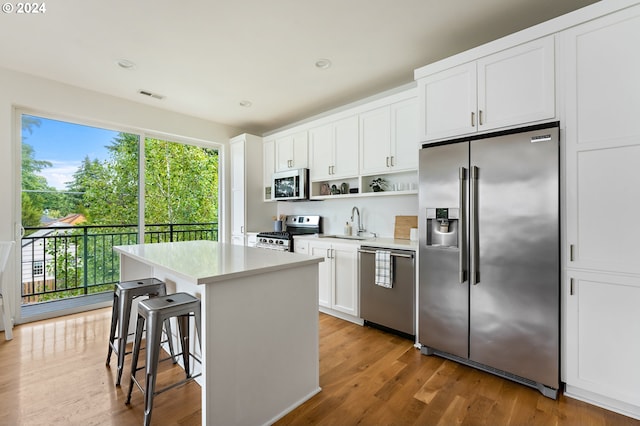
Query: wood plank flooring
[54, 372]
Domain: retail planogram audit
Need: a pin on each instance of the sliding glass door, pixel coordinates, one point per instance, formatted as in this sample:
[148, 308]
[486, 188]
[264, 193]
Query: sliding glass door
[83, 189]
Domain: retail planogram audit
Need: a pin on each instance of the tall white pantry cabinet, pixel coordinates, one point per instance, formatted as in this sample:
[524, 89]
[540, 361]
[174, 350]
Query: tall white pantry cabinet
[249, 212]
[600, 71]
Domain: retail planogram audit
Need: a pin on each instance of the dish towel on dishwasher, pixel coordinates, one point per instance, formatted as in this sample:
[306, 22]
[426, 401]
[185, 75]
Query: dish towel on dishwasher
[384, 269]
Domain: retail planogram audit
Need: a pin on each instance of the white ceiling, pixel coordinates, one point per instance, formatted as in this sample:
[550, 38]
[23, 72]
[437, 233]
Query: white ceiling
[205, 56]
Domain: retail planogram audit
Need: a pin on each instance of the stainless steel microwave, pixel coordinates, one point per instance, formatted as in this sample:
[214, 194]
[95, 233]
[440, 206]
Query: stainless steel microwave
[290, 185]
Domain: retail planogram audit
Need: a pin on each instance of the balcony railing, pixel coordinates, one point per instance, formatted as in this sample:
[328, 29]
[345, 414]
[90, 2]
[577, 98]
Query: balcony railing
[59, 262]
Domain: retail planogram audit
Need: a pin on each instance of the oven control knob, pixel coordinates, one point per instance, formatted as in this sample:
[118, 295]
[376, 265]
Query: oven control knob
[270, 241]
[280, 242]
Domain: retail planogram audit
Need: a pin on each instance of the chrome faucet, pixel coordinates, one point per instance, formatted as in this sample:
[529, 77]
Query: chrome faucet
[359, 229]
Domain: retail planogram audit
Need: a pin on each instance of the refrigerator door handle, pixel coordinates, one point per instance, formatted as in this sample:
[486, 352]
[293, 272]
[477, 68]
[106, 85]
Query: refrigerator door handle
[473, 240]
[462, 228]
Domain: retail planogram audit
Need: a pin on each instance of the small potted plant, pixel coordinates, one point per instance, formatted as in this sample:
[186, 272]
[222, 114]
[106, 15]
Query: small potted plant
[378, 184]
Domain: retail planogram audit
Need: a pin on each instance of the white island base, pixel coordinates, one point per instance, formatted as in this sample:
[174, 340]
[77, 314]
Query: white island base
[259, 323]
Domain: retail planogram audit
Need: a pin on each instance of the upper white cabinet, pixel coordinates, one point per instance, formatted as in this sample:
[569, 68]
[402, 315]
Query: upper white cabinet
[291, 151]
[601, 69]
[512, 87]
[269, 162]
[448, 102]
[389, 138]
[333, 149]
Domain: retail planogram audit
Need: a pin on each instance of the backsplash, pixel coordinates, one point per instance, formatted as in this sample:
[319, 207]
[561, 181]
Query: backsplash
[378, 213]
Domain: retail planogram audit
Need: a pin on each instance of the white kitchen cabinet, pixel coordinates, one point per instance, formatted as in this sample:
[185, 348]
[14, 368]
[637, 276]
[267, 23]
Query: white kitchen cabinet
[333, 150]
[389, 138]
[248, 209]
[599, 71]
[268, 167]
[338, 276]
[602, 338]
[301, 246]
[291, 151]
[512, 87]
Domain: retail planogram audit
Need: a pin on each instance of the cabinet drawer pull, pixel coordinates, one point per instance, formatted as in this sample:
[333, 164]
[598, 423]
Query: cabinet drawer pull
[473, 119]
[392, 161]
[571, 286]
[571, 256]
[387, 161]
[480, 117]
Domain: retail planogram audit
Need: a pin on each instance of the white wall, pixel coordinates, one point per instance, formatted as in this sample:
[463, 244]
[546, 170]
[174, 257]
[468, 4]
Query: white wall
[378, 213]
[19, 90]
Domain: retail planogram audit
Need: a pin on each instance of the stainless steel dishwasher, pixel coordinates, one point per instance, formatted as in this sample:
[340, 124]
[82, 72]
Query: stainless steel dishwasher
[391, 308]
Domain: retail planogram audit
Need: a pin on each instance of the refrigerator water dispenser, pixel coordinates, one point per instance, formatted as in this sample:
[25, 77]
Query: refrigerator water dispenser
[442, 227]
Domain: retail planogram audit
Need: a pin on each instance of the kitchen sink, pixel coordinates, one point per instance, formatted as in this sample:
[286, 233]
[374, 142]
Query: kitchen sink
[347, 237]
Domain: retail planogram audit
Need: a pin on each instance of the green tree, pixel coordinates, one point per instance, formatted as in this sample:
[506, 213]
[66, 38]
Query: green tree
[110, 188]
[89, 175]
[37, 195]
[180, 183]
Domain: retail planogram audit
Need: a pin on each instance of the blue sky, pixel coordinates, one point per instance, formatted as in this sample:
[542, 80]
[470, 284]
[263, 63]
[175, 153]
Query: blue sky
[65, 145]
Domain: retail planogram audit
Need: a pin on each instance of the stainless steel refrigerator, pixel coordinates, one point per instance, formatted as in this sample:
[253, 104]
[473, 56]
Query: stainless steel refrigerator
[489, 264]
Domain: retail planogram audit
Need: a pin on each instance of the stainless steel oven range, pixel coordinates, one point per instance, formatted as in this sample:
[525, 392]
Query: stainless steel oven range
[294, 225]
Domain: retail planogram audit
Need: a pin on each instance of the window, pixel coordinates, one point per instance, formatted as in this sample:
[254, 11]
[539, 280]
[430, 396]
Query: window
[81, 195]
[38, 269]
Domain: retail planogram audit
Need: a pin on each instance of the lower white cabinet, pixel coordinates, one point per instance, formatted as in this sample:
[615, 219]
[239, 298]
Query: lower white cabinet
[603, 339]
[301, 246]
[338, 276]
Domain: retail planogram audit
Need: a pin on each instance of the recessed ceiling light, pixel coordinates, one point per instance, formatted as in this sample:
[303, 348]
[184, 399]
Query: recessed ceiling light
[323, 64]
[245, 104]
[126, 64]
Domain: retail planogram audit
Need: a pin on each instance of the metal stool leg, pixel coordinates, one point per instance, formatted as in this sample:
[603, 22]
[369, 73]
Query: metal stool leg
[123, 331]
[114, 324]
[183, 327]
[154, 336]
[134, 356]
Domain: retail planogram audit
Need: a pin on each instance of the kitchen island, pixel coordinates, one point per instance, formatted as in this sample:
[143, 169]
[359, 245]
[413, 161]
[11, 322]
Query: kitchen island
[259, 323]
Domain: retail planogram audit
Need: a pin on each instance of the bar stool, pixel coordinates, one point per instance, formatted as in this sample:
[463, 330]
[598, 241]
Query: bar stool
[155, 312]
[123, 296]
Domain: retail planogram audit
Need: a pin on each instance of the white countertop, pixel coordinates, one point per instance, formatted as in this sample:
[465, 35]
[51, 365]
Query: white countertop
[372, 242]
[203, 262]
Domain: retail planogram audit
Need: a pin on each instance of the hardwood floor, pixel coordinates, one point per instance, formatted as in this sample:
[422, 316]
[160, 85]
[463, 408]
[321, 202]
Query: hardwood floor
[53, 372]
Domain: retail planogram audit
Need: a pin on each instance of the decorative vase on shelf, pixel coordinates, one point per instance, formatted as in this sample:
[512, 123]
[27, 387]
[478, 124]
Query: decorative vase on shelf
[378, 184]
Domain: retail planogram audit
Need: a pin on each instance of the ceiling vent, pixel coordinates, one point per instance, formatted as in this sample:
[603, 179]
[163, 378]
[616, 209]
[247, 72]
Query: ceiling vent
[150, 94]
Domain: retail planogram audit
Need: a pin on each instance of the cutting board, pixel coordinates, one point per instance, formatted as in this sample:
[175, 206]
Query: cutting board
[403, 226]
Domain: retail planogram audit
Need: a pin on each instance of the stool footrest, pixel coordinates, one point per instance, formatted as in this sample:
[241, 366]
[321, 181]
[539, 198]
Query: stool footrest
[171, 386]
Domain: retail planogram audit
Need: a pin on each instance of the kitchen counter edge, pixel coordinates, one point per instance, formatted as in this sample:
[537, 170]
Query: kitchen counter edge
[205, 262]
[392, 243]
